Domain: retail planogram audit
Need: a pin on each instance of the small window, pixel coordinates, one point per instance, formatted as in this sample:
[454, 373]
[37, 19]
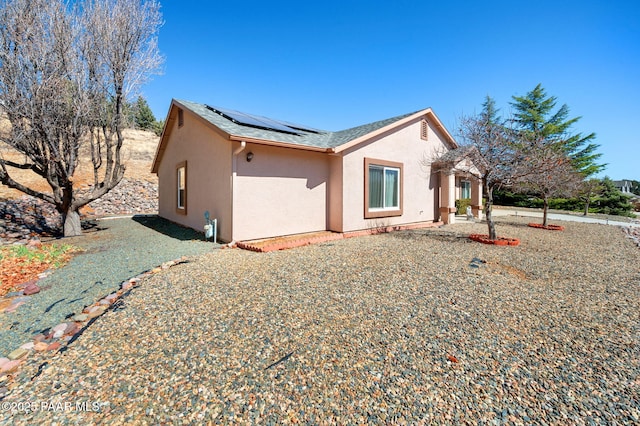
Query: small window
[181, 194]
[180, 117]
[424, 130]
[465, 189]
[383, 188]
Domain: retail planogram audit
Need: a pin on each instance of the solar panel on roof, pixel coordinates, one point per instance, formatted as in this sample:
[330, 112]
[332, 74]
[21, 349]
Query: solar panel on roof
[299, 127]
[252, 120]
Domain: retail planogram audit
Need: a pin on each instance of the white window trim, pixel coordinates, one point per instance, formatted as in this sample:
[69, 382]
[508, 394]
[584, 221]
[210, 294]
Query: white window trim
[182, 209]
[384, 188]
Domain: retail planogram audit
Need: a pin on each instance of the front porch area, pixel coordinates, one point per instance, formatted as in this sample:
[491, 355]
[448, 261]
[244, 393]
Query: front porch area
[455, 185]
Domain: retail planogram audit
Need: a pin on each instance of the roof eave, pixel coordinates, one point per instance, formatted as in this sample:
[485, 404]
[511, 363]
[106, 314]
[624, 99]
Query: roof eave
[164, 136]
[438, 123]
[240, 138]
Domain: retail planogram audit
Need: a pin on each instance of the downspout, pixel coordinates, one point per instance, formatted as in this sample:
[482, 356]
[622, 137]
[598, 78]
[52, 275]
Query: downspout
[239, 149]
[234, 168]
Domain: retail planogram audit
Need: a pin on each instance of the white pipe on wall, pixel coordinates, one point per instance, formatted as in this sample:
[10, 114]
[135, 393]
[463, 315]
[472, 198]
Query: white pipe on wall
[239, 149]
[234, 165]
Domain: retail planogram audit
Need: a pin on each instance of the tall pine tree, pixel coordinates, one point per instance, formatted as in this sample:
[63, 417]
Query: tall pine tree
[144, 117]
[535, 118]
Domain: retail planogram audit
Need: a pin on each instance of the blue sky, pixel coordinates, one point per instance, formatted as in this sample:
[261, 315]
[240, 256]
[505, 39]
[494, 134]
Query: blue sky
[338, 64]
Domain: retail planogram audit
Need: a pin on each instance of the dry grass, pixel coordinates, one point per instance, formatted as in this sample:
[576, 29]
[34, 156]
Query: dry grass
[21, 264]
[138, 152]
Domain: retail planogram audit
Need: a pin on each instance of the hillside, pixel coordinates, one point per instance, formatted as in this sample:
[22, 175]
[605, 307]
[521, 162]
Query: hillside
[138, 152]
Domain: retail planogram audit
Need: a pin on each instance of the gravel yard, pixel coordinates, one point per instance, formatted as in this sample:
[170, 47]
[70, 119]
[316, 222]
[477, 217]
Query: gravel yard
[404, 327]
[111, 252]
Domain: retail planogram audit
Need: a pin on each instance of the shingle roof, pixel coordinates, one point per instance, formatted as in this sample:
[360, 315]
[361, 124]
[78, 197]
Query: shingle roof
[455, 155]
[319, 139]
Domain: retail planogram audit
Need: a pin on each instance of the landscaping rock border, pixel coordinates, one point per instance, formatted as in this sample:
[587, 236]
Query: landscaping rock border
[547, 227]
[633, 234]
[293, 241]
[57, 338]
[500, 241]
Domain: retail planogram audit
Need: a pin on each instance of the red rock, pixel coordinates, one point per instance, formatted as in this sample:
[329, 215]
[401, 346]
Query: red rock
[40, 346]
[39, 337]
[112, 297]
[26, 283]
[71, 329]
[31, 289]
[54, 346]
[34, 243]
[10, 366]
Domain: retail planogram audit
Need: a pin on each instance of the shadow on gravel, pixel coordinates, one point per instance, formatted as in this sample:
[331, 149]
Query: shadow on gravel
[169, 228]
[508, 222]
[89, 225]
[435, 235]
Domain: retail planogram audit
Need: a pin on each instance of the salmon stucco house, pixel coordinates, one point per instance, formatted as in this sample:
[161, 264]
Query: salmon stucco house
[262, 178]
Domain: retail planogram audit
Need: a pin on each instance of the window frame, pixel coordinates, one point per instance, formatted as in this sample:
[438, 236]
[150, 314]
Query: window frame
[181, 209]
[384, 211]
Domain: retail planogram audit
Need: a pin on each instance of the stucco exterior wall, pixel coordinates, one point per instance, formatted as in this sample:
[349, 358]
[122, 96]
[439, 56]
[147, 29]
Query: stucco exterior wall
[208, 158]
[420, 196]
[283, 191]
[279, 192]
[335, 194]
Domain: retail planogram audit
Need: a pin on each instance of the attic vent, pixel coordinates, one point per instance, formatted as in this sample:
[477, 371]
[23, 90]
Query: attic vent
[424, 130]
[180, 117]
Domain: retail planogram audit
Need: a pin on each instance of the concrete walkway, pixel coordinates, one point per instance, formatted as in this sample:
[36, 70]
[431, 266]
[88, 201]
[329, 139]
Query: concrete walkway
[565, 217]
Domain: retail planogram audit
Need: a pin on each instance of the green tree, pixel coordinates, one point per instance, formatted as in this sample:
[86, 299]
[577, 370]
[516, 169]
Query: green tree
[158, 127]
[535, 118]
[144, 117]
[612, 201]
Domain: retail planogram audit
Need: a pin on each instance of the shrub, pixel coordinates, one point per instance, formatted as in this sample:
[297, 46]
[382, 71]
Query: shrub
[461, 205]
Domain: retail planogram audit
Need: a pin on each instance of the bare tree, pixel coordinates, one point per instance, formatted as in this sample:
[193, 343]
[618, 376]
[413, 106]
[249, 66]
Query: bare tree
[587, 190]
[65, 74]
[489, 144]
[554, 173]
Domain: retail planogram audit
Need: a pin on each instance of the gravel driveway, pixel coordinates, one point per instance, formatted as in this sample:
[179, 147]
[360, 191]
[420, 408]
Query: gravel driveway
[409, 327]
[114, 251]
